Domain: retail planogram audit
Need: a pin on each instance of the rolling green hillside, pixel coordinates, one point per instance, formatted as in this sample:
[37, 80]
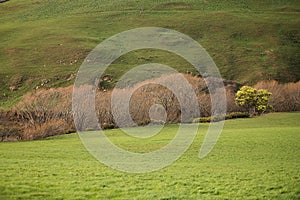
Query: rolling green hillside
[254, 158]
[43, 43]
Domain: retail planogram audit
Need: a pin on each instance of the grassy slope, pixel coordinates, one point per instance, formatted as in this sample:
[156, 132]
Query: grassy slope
[43, 41]
[253, 159]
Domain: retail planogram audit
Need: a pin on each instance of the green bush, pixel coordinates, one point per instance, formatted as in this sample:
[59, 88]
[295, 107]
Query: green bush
[235, 115]
[218, 118]
[144, 122]
[202, 120]
[108, 126]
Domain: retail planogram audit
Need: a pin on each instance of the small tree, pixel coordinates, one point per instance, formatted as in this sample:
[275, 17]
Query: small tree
[255, 101]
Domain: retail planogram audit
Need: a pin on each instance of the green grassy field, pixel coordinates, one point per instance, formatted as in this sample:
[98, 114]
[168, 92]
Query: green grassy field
[43, 43]
[254, 158]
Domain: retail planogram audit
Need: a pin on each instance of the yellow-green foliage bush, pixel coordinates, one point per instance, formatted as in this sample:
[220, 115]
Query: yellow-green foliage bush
[253, 100]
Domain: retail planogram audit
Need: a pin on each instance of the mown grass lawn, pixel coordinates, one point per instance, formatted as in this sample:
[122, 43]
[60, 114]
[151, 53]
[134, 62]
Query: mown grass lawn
[254, 159]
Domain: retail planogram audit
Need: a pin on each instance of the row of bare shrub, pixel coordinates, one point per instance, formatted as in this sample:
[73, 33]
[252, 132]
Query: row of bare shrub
[49, 112]
[157, 92]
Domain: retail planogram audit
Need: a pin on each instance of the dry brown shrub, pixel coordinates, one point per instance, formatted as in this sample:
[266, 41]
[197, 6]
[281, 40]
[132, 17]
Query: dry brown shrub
[103, 107]
[45, 113]
[84, 108]
[50, 128]
[10, 133]
[10, 128]
[44, 105]
[230, 101]
[205, 104]
[285, 97]
[145, 97]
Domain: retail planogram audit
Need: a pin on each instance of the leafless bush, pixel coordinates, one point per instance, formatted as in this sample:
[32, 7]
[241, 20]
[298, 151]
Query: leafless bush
[44, 105]
[103, 108]
[10, 133]
[50, 128]
[230, 101]
[83, 103]
[145, 97]
[45, 112]
[285, 97]
[10, 129]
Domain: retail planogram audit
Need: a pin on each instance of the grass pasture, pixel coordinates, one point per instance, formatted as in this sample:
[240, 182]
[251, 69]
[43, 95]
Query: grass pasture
[255, 158]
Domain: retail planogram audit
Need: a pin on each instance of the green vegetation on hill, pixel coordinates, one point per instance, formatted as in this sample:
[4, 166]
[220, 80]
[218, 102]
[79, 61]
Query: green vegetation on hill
[255, 158]
[43, 43]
